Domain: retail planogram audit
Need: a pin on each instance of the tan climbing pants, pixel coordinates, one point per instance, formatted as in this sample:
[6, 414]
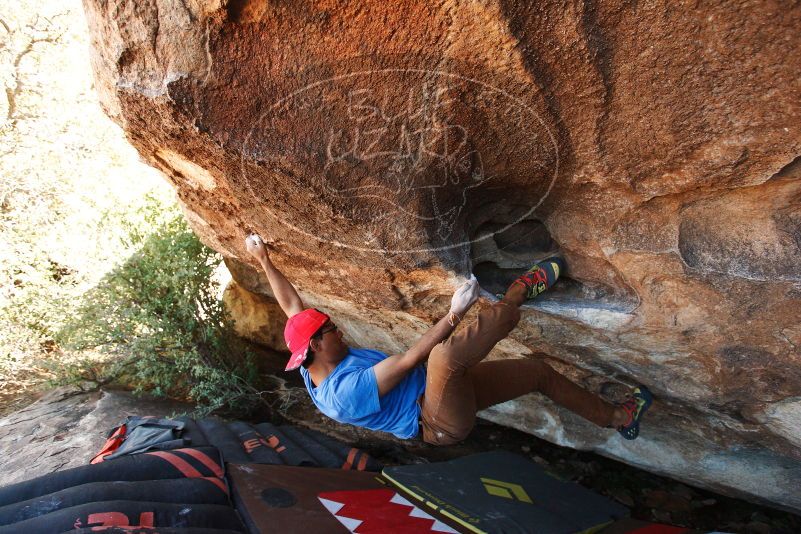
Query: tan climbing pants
[459, 384]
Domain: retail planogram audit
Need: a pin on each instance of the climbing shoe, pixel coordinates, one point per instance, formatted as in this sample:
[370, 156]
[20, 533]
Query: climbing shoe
[542, 276]
[636, 406]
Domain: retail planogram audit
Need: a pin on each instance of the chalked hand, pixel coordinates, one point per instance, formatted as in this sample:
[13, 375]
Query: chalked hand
[465, 296]
[255, 246]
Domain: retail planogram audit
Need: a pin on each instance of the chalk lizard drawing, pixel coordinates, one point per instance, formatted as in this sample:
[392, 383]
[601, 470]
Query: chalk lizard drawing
[410, 155]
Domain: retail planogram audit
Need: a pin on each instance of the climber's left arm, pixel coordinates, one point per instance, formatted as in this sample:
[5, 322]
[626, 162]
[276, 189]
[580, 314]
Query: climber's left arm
[390, 371]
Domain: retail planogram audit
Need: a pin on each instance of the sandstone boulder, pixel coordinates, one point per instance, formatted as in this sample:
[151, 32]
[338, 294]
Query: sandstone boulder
[256, 317]
[388, 149]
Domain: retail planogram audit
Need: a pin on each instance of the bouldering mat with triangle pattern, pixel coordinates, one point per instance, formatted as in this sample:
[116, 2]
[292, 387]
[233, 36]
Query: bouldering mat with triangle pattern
[502, 492]
[273, 498]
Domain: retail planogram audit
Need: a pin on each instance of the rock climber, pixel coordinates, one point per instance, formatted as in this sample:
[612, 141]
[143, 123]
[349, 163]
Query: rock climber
[399, 394]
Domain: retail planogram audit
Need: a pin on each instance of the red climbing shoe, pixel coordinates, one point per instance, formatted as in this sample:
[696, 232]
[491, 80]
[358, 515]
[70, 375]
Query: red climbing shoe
[542, 276]
[635, 407]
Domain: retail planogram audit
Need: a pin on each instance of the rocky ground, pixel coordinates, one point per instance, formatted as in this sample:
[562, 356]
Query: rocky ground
[66, 427]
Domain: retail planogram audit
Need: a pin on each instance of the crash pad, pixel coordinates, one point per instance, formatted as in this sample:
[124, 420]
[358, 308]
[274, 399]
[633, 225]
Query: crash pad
[201, 462]
[504, 492]
[274, 498]
[135, 514]
[176, 490]
[266, 443]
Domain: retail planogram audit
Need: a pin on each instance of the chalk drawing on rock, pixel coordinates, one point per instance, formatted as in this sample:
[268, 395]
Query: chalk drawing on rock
[400, 152]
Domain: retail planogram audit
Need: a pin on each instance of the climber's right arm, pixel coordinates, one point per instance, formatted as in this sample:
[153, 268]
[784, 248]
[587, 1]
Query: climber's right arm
[284, 292]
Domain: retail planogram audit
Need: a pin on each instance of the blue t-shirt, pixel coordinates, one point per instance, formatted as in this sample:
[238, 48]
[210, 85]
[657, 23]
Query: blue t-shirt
[350, 395]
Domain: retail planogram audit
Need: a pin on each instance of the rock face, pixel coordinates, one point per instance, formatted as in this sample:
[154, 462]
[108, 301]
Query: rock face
[66, 428]
[388, 149]
[257, 317]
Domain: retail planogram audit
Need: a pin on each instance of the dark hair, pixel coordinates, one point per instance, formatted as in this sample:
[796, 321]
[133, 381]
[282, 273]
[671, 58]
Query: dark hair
[309, 352]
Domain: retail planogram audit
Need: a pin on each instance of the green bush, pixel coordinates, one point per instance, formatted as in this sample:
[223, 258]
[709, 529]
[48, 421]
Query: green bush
[158, 317]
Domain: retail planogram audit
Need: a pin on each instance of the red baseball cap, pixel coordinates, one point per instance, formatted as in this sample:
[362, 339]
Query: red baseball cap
[298, 333]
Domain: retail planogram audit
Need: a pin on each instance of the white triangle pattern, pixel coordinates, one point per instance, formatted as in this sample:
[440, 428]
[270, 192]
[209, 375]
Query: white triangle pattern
[334, 507]
[331, 506]
[397, 499]
[352, 524]
[439, 526]
[416, 512]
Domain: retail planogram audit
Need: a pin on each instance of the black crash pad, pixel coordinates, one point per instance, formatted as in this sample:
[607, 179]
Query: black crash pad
[499, 491]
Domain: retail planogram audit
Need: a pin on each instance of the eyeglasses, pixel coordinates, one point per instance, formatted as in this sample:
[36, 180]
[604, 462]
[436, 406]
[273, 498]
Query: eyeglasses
[331, 327]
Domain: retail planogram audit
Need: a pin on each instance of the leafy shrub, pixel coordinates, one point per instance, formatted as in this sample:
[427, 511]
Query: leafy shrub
[158, 317]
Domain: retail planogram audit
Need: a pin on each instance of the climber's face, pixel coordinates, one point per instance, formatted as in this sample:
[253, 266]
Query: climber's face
[328, 344]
